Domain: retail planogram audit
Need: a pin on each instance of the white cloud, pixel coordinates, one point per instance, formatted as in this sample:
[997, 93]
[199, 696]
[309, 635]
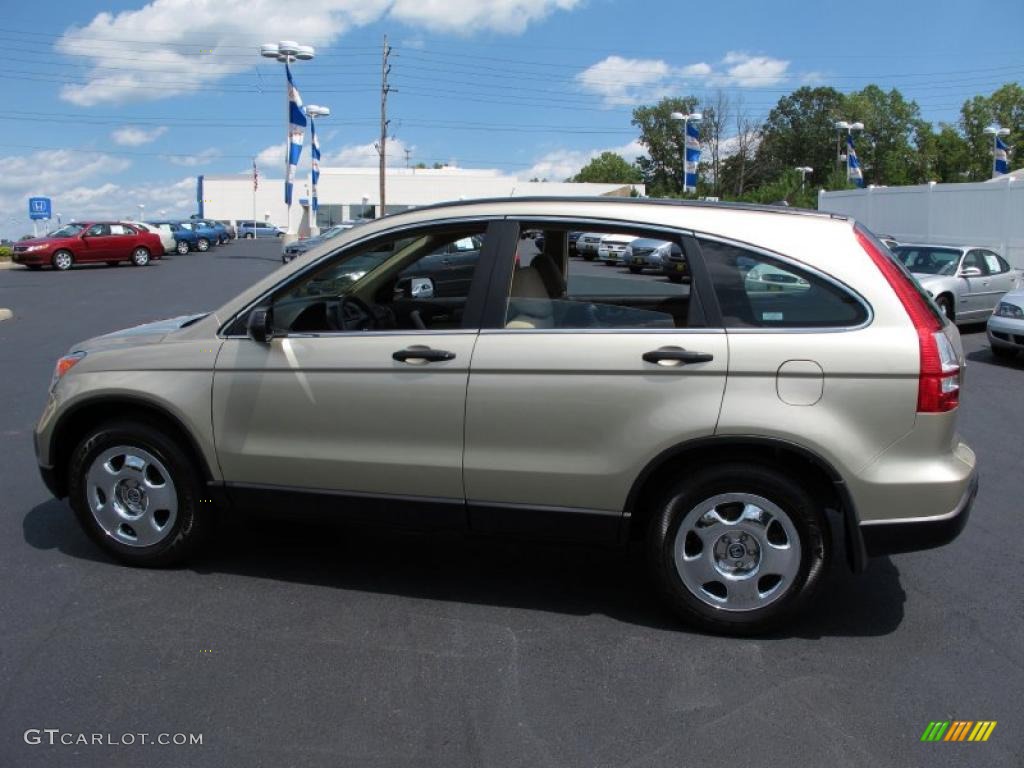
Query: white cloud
[133, 136]
[348, 156]
[625, 82]
[157, 37]
[41, 173]
[753, 71]
[199, 158]
[560, 164]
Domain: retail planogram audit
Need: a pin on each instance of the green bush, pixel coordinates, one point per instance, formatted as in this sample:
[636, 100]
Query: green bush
[5, 252]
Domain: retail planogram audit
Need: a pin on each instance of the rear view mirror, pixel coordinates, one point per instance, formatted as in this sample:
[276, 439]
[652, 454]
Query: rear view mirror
[970, 272]
[260, 327]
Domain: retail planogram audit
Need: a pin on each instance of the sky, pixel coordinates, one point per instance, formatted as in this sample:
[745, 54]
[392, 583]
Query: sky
[109, 105]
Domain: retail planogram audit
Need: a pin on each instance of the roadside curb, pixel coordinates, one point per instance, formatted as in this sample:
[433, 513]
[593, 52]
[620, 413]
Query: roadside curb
[5, 314]
[7, 265]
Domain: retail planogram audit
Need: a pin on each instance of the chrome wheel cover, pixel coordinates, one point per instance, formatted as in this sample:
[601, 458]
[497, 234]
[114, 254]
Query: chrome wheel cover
[737, 552]
[141, 256]
[131, 496]
[62, 260]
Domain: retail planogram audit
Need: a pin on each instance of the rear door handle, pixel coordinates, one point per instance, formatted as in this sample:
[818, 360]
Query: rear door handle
[420, 355]
[676, 355]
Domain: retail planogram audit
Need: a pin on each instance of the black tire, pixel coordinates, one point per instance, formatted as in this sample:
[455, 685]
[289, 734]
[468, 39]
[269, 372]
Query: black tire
[636, 270]
[61, 263]
[945, 304]
[140, 257]
[1003, 353]
[193, 521]
[588, 256]
[805, 515]
[676, 278]
[202, 245]
[181, 247]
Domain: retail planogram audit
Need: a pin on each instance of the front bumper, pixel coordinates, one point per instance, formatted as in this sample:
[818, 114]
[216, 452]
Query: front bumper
[1005, 332]
[888, 537]
[35, 257]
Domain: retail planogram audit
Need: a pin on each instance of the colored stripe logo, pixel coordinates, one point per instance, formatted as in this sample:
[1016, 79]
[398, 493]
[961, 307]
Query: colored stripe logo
[958, 730]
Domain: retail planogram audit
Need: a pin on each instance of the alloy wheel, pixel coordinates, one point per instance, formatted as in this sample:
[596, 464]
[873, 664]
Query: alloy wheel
[131, 496]
[737, 552]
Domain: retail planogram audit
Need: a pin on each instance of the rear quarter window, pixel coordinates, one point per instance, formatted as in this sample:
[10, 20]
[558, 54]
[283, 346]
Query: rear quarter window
[758, 291]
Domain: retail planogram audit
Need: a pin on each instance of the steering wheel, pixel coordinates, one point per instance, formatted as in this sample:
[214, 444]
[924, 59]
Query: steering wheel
[350, 313]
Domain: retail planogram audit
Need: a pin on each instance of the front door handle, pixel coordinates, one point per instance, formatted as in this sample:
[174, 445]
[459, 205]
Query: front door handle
[676, 355]
[420, 355]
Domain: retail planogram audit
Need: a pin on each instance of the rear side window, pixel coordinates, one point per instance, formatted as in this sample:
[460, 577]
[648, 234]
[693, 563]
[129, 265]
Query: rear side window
[757, 291]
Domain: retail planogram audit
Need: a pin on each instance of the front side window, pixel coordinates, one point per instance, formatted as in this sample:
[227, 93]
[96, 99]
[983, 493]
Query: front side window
[68, 230]
[414, 282]
[98, 230]
[976, 259]
[757, 291]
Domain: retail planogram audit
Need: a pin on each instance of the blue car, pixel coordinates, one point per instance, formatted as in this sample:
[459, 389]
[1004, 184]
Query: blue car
[261, 229]
[223, 236]
[185, 240]
[205, 236]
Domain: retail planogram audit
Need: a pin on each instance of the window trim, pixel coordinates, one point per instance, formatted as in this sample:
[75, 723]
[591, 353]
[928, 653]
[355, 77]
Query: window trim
[493, 321]
[869, 313]
[227, 330]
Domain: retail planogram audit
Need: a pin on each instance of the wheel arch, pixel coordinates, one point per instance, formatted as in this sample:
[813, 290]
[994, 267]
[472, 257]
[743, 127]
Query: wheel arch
[824, 482]
[83, 416]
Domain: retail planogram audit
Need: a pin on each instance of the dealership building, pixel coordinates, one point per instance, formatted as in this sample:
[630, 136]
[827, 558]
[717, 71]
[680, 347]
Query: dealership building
[353, 193]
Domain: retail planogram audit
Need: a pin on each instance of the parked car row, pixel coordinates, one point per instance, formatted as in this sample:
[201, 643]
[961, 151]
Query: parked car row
[299, 247]
[113, 242]
[636, 254]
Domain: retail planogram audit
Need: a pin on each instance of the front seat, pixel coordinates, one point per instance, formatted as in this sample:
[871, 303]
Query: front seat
[530, 304]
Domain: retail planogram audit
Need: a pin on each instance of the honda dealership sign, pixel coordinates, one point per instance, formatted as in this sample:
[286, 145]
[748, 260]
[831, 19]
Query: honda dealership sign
[40, 208]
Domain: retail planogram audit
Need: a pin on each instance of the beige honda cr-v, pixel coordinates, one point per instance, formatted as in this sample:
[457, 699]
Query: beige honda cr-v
[434, 370]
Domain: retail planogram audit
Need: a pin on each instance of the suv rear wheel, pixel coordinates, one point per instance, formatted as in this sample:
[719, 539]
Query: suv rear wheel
[737, 548]
[137, 494]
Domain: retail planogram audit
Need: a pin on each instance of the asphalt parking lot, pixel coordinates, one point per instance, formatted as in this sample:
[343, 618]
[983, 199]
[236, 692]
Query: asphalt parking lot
[301, 645]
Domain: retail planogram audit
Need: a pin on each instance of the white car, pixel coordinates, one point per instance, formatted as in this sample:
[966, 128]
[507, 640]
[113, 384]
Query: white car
[166, 237]
[612, 247]
[588, 243]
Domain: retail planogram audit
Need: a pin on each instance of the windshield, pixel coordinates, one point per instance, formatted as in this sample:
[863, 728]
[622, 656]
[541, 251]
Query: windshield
[929, 261]
[68, 230]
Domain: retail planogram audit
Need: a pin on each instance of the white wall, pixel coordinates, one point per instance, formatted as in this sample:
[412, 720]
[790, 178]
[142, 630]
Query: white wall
[984, 213]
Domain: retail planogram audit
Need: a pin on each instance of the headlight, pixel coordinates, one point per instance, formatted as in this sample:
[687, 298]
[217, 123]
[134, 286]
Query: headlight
[1006, 309]
[64, 365]
[31, 248]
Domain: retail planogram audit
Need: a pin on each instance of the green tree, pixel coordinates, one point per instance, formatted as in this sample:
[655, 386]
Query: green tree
[662, 166]
[609, 168]
[888, 147]
[947, 155]
[1006, 108]
[800, 130]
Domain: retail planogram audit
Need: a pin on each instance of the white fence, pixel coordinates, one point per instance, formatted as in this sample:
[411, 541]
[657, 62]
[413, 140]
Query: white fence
[986, 213]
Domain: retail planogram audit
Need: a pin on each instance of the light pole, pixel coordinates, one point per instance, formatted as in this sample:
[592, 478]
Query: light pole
[141, 207]
[58, 219]
[686, 119]
[999, 157]
[804, 170]
[313, 112]
[287, 52]
[850, 128]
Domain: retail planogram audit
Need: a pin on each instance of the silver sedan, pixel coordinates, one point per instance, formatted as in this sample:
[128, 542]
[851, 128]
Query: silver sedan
[1006, 326]
[966, 282]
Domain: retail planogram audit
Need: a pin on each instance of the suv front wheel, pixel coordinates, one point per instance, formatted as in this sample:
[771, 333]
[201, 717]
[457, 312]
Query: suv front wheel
[738, 548]
[137, 494]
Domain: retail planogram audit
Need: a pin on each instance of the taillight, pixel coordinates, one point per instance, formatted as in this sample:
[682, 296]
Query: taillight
[938, 388]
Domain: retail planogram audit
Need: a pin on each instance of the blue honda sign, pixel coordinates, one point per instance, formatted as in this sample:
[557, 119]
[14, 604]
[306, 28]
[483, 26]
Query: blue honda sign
[39, 208]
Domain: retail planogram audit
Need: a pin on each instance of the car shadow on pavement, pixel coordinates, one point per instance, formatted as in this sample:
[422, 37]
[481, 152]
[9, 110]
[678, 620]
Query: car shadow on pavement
[986, 356]
[532, 575]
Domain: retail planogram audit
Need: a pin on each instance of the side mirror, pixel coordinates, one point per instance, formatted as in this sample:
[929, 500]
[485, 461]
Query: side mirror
[970, 272]
[259, 326]
[422, 288]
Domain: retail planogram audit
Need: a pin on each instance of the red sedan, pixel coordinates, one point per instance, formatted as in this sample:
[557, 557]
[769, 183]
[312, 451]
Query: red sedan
[102, 241]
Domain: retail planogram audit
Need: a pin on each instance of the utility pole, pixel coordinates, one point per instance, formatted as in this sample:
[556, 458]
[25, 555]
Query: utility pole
[407, 153]
[385, 70]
